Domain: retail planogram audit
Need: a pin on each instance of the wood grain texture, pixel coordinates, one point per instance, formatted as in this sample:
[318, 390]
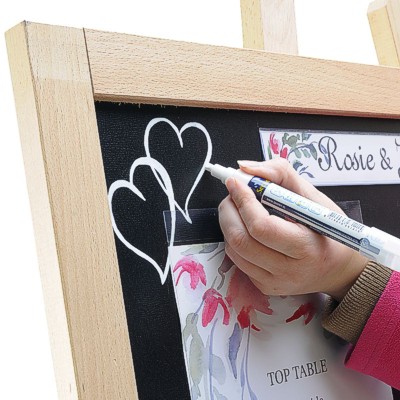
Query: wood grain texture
[269, 25]
[65, 174]
[252, 24]
[145, 70]
[393, 7]
[384, 21]
[279, 26]
[35, 171]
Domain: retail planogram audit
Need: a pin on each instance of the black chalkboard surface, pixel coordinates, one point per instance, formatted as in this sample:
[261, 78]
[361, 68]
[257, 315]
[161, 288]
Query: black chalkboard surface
[150, 307]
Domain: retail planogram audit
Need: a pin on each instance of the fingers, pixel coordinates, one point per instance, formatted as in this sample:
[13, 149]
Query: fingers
[238, 238]
[252, 270]
[265, 281]
[285, 237]
[281, 172]
[261, 278]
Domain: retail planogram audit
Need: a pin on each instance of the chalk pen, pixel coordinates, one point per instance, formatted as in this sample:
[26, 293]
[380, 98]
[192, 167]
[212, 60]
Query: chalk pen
[371, 242]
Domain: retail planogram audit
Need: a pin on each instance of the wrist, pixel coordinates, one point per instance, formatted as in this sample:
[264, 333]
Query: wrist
[347, 276]
[347, 318]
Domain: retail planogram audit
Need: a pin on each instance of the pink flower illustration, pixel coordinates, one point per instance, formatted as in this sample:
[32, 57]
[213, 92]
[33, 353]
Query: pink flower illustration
[305, 310]
[246, 299]
[284, 152]
[193, 268]
[274, 145]
[212, 299]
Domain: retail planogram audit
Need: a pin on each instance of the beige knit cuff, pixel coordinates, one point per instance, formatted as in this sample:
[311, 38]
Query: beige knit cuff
[348, 318]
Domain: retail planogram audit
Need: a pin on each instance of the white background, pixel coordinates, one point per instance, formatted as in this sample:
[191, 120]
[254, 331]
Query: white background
[331, 29]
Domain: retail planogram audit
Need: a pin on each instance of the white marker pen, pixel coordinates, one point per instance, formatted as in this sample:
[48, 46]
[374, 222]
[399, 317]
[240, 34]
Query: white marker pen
[371, 242]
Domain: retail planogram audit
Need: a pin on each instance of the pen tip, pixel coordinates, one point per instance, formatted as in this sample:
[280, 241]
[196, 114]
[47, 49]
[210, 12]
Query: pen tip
[208, 167]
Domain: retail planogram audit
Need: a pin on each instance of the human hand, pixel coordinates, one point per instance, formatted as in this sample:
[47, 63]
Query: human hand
[283, 257]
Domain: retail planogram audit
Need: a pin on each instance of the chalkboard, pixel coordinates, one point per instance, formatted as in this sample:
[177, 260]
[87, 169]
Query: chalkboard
[82, 264]
[150, 307]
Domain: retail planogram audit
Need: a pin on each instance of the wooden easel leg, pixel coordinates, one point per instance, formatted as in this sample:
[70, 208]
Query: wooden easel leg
[384, 21]
[269, 25]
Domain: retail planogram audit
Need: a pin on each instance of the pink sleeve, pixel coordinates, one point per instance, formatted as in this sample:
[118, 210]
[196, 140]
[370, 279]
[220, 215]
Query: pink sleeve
[377, 352]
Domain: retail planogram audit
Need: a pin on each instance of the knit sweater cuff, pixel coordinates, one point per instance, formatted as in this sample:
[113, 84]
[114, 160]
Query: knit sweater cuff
[348, 318]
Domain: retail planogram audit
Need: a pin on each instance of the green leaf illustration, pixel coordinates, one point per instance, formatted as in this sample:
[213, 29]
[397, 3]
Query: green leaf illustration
[284, 139]
[313, 151]
[306, 153]
[190, 328]
[305, 136]
[196, 359]
[197, 353]
[292, 141]
[218, 370]
[269, 152]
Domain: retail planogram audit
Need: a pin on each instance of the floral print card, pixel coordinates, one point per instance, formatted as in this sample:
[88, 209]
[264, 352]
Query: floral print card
[242, 345]
[336, 158]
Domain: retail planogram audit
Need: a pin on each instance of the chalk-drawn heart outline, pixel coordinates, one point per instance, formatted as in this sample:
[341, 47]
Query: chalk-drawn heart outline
[179, 133]
[155, 166]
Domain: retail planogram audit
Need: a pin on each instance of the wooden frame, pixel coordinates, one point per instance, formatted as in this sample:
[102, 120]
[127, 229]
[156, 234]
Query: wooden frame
[57, 75]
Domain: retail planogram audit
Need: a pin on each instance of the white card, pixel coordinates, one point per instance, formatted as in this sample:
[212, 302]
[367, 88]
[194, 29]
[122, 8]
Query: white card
[331, 158]
[242, 345]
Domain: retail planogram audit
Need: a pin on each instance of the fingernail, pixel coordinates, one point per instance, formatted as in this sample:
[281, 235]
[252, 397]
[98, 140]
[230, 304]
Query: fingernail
[231, 185]
[248, 164]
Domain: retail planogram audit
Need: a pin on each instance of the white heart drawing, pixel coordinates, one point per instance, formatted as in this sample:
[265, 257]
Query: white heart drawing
[179, 134]
[166, 183]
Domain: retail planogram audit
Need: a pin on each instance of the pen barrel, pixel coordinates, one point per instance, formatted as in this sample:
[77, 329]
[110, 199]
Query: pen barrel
[389, 248]
[371, 242]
